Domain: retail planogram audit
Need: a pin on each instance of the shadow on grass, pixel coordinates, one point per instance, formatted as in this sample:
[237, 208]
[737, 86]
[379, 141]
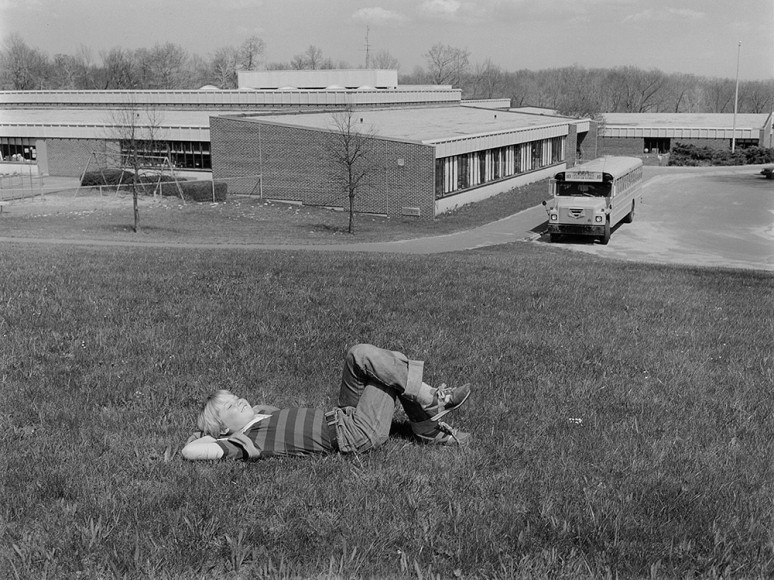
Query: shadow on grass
[128, 228]
[402, 430]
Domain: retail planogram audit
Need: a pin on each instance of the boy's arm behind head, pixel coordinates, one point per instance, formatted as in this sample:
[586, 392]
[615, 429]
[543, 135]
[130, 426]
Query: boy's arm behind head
[204, 448]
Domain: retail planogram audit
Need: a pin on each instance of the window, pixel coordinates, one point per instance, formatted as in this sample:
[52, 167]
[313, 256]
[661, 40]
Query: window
[460, 172]
[744, 143]
[181, 154]
[657, 145]
[557, 150]
[537, 154]
[18, 150]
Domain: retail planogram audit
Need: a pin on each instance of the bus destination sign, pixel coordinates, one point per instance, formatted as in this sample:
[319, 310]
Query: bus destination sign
[583, 176]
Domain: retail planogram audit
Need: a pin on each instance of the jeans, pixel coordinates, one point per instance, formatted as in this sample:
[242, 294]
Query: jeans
[372, 379]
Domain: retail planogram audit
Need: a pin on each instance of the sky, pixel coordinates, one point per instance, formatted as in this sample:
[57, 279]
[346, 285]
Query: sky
[690, 36]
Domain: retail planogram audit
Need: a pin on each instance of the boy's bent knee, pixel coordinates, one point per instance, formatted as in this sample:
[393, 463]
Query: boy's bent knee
[359, 351]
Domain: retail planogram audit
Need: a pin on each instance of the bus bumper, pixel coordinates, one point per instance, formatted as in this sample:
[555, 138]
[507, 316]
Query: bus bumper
[576, 229]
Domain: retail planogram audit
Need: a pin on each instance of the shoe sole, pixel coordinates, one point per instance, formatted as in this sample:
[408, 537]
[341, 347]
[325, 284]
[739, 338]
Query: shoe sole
[448, 440]
[449, 409]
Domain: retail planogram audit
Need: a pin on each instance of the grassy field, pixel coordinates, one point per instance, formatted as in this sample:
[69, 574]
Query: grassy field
[622, 415]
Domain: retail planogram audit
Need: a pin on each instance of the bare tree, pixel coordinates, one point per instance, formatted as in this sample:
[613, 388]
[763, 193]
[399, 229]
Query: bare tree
[757, 96]
[719, 95]
[519, 87]
[384, 60]
[169, 61]
[679, 93]
[117, 70]
[24, 68]
[447, 65]
[351, 149]
[488, 80]
[250, 53]
[224, 67]
[227, 61]
[137, 129]
[311, 59]
[578, 92]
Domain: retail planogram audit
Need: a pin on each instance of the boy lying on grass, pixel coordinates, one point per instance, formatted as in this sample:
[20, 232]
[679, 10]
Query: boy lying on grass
[372, 379]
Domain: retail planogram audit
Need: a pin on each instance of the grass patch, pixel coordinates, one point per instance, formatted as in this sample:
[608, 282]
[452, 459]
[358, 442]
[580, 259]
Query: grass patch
[243, 220]
[622, 415]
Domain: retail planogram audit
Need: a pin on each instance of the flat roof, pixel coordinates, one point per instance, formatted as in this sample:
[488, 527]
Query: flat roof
[318, 79]
[420, 124]
[686, 120]
[102, 117]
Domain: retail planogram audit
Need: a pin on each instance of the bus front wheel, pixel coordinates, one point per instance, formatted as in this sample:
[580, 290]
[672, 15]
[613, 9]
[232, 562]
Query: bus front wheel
[630, 216]
[606, 236]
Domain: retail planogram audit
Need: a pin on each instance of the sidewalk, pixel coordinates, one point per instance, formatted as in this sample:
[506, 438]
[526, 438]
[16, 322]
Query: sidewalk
[525, 225]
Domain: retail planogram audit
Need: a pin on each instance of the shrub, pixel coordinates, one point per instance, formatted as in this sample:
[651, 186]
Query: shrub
[192, 190]
[691, 155]
[115, 176]
[197, 190]
[757, 155]
[106, 177]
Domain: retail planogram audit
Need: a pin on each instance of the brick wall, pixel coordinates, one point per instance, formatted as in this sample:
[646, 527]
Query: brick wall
[297, 165]
[571, 144]
[588, 143]
[621, 146]
[69, 157]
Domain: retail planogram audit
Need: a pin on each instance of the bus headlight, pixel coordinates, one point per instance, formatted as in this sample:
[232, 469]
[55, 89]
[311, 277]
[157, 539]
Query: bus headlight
[598, 219]
[554, 217]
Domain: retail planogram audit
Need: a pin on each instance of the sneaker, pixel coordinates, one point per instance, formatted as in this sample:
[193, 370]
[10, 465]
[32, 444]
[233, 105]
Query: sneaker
[444, 434]
[449, 399]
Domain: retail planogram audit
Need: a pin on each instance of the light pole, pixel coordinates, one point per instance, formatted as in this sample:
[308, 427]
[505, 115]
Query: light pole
[736, 97]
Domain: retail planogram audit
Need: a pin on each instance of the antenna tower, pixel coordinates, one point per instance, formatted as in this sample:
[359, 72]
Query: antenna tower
[367, 50]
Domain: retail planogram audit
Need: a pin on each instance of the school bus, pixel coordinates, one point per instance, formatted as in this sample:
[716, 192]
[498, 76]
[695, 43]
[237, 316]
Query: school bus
[590, 199]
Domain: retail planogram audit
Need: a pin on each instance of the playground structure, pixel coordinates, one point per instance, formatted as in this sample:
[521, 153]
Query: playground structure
[146, 175]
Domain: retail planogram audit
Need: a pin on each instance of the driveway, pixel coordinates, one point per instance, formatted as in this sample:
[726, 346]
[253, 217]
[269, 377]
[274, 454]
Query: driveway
[697, 216]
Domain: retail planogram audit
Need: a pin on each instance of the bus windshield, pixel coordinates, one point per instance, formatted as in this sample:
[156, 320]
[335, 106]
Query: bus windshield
[570, 188]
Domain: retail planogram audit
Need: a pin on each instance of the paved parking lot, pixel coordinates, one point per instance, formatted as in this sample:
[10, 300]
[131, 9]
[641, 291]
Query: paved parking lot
[697, 216]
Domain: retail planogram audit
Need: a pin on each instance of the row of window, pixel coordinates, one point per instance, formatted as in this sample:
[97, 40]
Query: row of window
[18, 149]
[181, 154]
[460, 172]
[625, 182]
[663, 145]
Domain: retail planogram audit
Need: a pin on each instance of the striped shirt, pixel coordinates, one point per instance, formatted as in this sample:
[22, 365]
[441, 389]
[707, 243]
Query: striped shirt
[287, 432]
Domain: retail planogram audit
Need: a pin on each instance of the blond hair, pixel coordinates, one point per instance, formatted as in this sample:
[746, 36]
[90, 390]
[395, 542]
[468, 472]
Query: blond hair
[209, 418]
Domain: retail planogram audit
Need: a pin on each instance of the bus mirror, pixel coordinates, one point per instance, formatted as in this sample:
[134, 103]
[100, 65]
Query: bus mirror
[544, 202]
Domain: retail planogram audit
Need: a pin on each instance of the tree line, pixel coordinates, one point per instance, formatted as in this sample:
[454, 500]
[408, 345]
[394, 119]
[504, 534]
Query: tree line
[571, 90]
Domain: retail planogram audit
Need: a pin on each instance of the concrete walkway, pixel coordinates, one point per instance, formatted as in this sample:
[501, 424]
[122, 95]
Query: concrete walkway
[525, 225]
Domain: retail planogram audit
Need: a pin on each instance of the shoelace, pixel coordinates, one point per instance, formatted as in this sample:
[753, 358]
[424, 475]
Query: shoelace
[448, 429]
[444, 394]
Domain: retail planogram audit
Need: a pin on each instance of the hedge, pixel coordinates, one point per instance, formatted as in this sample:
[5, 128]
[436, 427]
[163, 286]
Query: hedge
[196, 190]
[691, 155]
[192, 190]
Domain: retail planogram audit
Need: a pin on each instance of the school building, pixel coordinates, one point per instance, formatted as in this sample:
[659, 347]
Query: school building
[430, 151]
[421, 161]
[656, 133]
